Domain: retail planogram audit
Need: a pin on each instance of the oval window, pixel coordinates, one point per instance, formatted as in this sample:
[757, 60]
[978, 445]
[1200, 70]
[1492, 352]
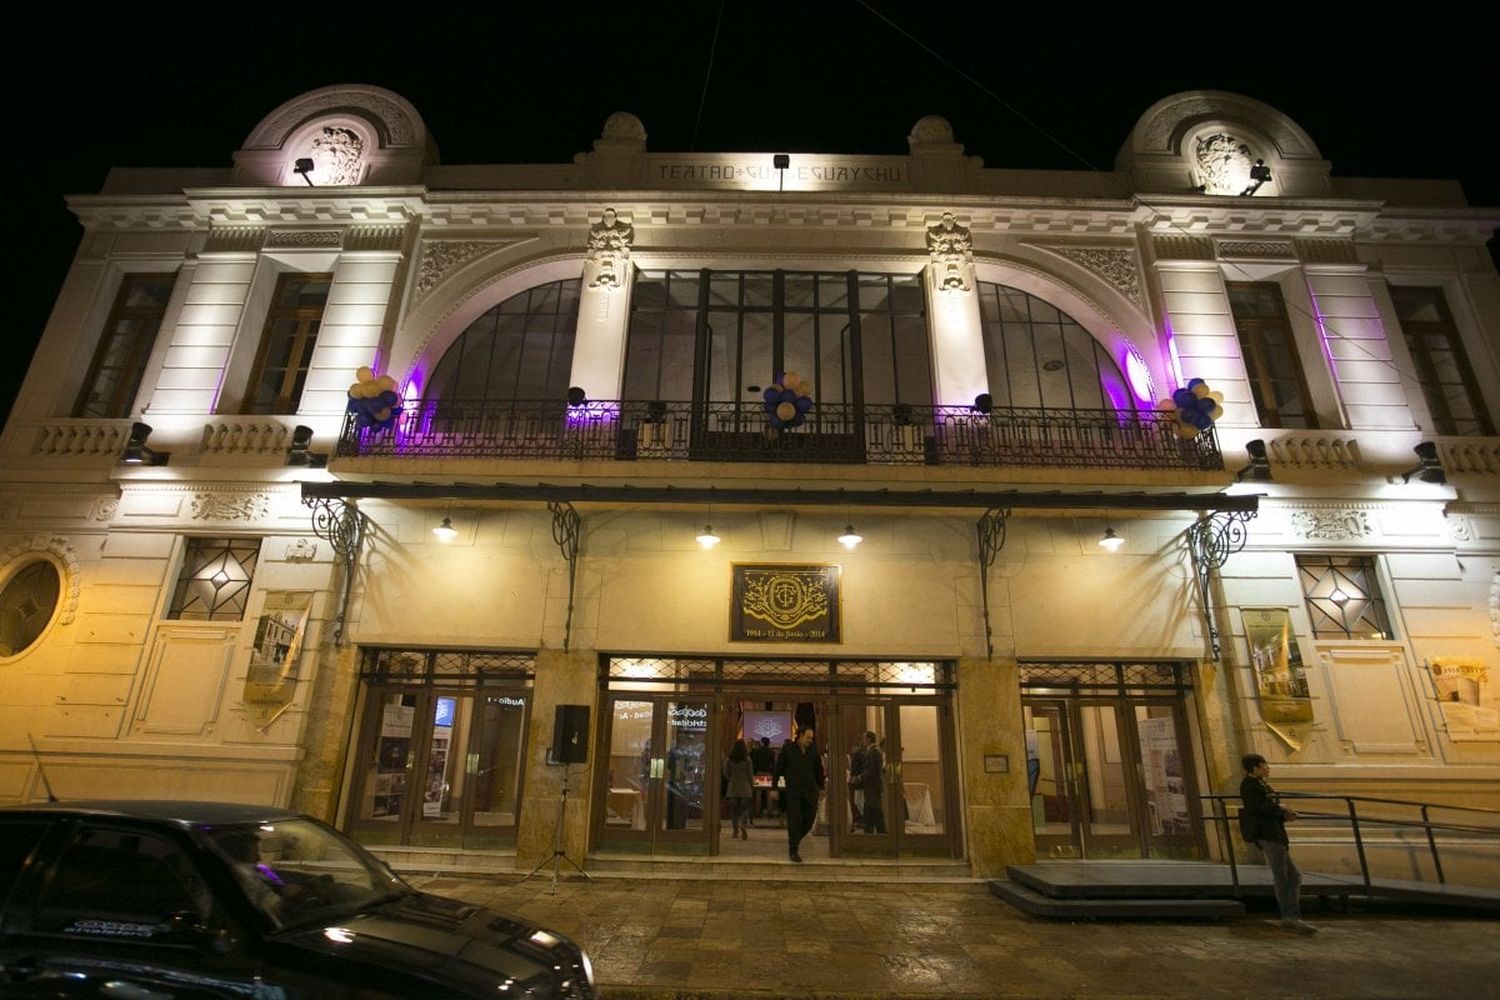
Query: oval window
[26, 606]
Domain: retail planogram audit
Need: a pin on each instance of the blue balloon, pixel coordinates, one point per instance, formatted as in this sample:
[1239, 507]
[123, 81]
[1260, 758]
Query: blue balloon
[788, 396]
[353, 406]
[1183, 398]
[776, 422]
[389, 397]
[772, 396]
[803, 404]
[1202, 421]
[1206, 405]
[1194, 383]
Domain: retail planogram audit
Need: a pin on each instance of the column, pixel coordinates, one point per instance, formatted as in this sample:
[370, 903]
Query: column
[604, 310]
[562, 678]
[953, 322]
[997, 810]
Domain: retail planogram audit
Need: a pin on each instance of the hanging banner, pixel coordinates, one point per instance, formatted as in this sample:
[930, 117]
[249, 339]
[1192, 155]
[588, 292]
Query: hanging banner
[1467, 697]
[776, 603]
[1280, 678]
[272, 678]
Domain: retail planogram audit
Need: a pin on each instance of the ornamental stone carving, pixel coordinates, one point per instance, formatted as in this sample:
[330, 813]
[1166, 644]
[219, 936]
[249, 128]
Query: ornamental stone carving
[610, 242]
[1460, 529]
[339, 154]
[1115, 265]
[218, 507]
[1331, 525]
[301, 551]
[951, 248]
[1224, 164]
[63, 551]
[1258, 249]
[321, 238]
[105, 509]
[234, 239]
[441, 256]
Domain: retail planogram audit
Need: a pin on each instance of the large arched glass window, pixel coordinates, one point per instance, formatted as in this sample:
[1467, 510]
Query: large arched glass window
[520, 349]
[1040, 357]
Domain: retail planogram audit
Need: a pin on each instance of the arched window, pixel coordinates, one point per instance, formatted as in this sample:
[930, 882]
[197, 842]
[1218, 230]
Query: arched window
[1040, 357]
[521, 349]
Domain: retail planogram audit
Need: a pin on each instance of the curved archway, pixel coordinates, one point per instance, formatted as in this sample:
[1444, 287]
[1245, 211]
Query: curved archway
[521, 348]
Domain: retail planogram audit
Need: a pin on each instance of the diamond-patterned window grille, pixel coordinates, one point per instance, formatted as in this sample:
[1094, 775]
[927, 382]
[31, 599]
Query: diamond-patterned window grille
[26, 606]
[1113, 678]
[214, 584]
[924, 676]
[1343, 597]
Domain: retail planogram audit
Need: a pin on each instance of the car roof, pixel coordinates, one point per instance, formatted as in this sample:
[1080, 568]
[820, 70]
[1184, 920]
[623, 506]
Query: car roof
[184, 813]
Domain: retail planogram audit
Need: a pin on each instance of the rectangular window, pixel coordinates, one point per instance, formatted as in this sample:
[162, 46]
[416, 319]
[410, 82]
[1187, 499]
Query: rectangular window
[114, 376]
[214, 584]
[1278, 384]
[1343, 597]
[1443, 370]
[286, 345]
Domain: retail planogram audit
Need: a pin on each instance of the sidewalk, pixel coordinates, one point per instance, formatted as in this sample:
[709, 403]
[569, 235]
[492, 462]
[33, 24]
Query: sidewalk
[654, 938]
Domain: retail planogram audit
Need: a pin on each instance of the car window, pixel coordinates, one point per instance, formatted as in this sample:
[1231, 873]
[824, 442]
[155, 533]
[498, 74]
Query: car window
[112, 883]
[297, 871]
[18, 838]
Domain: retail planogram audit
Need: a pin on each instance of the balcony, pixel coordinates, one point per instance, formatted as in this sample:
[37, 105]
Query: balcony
[886, 434]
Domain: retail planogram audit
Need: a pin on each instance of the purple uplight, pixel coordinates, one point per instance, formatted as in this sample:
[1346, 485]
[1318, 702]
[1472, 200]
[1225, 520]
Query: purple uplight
[1139, 375]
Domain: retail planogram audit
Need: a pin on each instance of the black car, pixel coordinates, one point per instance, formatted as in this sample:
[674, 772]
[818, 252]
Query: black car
[157, 900]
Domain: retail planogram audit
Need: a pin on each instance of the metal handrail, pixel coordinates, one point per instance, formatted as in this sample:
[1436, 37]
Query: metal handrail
[1221, 818]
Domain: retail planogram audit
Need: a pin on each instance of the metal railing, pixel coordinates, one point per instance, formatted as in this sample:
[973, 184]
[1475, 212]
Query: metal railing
[896, 434]
[1221, 818]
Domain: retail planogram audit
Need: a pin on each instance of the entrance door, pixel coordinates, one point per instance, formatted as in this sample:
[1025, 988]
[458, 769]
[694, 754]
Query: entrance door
[440, 767]
[661, 781]
[1109, 778]
[906, 811]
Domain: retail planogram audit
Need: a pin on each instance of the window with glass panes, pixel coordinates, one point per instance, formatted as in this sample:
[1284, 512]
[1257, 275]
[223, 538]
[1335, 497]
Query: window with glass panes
[214, 584]
[1343, 597]
[1443, 369]
[1278, 384]
[1040, 357]
[286, 346]
[520, 349]
[114, 375]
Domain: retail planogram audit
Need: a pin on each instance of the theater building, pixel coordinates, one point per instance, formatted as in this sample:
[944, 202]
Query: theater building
[693, 447]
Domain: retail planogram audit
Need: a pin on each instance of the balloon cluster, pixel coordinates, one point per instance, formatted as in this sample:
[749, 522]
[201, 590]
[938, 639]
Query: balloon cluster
[374, 401]
[1197, 407]
[788, 401]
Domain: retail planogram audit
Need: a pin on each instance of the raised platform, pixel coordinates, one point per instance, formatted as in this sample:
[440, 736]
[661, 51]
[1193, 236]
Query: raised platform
[1197, 888]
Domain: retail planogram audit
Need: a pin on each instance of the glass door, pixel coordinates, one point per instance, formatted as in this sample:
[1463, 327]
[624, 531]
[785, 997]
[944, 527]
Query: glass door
[1173, 825]
[869, 808]
[1106, 806]
[924, 786]
[1049, 776]
[660, 780]
[440, 768]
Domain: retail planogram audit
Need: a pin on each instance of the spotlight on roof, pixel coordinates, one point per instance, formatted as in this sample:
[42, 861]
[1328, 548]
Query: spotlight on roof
[1259, 174]
[1428, 468]
[299, 453]
[303, 167]
[1259, 466]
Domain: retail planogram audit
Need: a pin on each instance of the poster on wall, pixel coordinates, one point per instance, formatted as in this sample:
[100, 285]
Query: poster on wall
[1280, 677]
[1467, 698]
[1166, 785]
[391, 755]
[272, 678]
[783, 603]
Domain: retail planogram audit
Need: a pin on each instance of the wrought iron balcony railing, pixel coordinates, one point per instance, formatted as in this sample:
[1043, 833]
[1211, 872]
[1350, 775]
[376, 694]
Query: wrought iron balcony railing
[897, 434]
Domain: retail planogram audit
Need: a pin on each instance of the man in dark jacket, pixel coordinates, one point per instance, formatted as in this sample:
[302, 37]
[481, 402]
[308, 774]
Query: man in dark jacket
[802, 768]
[870, 778]
[1263, 822]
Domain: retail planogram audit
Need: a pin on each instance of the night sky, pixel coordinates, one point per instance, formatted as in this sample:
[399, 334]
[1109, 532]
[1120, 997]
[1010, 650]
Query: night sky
[1396, 99]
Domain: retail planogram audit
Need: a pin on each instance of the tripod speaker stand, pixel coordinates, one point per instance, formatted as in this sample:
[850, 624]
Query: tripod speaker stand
[558, 855]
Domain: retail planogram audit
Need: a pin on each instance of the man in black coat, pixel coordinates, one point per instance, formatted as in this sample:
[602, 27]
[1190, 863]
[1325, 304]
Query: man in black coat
[802, 768]
[870, 778]
[1263, 822]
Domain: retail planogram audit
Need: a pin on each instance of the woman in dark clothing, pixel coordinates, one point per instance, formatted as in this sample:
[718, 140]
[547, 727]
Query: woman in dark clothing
[739, 779]
[1263, 822]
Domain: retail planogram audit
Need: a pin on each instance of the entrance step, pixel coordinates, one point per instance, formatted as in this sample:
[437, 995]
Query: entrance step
[1038, 904]
[444, 860]
[915, 871]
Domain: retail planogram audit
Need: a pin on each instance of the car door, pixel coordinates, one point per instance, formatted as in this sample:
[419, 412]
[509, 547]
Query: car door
[115, 909]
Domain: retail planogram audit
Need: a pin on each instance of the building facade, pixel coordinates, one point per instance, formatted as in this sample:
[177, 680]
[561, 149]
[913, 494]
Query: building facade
[409, 495]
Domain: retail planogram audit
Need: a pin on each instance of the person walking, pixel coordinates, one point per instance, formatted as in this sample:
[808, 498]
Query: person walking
[801, 767]
[739, 778]
[871, 780]
[1263, 822]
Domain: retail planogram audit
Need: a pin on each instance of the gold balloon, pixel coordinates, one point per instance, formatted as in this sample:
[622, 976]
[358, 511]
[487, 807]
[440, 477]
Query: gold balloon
[786, 411]
[384, 413]
[365, 373]
[384, 383]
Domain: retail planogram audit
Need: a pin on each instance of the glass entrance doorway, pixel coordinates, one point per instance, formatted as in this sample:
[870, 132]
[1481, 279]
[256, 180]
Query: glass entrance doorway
[886, 754]
[1109, 762]
[440, 751]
